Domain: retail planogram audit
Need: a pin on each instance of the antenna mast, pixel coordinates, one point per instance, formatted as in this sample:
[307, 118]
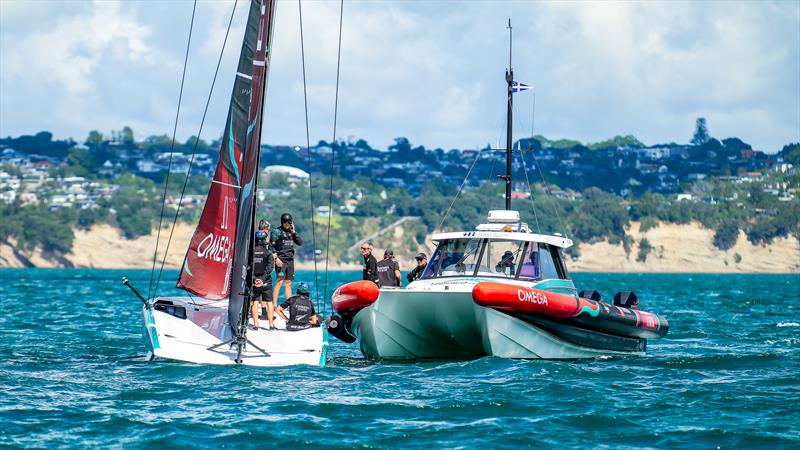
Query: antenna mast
[510, 81]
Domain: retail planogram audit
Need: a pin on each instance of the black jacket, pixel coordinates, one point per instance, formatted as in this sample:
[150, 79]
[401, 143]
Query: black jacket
[283, 242]
[370, 271]
[415, 273]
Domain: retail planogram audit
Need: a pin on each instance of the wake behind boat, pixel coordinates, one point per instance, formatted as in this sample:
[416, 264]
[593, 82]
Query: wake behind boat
[497, 290]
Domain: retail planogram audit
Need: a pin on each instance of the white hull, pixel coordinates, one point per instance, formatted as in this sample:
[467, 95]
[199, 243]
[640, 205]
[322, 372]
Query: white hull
[428, 321]
[206, 325]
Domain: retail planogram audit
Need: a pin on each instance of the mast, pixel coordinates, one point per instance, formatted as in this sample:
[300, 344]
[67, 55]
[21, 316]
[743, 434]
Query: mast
[217, 261]
[260, 22]
[510, 81]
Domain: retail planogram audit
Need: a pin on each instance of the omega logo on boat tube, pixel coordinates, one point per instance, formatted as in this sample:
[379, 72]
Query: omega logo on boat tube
[525, 295]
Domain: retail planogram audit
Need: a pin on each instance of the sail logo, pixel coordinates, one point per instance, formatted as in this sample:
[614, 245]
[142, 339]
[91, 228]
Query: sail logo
[215, 248]
[224, 225]
[531, 297]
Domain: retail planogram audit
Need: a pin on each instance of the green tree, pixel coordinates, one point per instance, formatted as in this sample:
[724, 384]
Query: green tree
[127, 136]
[644, 249]
[701, 135]
[726, 234]
[81, 162]
[94, 139]
[791, 153]
[202, 146]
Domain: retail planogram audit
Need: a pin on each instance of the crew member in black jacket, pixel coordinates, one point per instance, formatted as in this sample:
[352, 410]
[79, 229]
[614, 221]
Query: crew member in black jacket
[370, 271]
[284, 238]
[416, 272]
[263, 263]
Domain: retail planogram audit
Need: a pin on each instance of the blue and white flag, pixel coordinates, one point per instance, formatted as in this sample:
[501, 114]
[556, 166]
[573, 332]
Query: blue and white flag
[518, 87]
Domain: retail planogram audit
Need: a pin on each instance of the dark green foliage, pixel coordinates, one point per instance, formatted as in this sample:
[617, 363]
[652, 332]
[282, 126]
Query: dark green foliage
[81, 162]
[90, 216]
[791, 154]
[35, 226]
[737, 258]
[644, 249]
[600, 215]
[618, 141]
[41, 143]
[726, 234]
[701, 135]
[136, 211]
[648, 223]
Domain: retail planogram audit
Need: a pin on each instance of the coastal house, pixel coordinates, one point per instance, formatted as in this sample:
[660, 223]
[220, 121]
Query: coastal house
[323, 211]
[293, 174]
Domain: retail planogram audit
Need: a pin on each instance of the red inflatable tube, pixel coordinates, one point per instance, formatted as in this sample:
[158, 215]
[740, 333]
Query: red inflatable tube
[592, 314]
[521, 299]
[353, 296]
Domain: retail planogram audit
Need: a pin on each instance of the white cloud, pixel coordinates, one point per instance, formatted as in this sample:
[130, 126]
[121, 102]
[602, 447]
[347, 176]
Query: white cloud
[431, 71]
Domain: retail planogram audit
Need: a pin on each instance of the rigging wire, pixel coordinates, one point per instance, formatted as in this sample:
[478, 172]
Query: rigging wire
[333, 157]
[171, 150]
[459, 190]
[541, 175]
[525, 168]
[308, 153]
[527, 180]
[194, 150]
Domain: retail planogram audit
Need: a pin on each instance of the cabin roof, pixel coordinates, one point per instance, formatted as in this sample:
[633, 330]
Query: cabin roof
[558, 241]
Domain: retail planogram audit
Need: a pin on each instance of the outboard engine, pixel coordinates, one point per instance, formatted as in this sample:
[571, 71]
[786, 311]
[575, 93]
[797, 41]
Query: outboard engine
[591, 295]
[626, 299]
[337, 329]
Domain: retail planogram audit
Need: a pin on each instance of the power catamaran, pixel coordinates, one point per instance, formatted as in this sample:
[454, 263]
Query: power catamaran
[210, 325]
[498, 290]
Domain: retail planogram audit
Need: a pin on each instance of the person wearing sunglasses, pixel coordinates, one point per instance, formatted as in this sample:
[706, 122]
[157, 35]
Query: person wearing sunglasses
[370, 268]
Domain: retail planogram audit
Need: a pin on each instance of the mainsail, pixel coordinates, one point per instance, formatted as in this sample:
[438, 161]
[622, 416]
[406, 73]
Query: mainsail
[216, 263]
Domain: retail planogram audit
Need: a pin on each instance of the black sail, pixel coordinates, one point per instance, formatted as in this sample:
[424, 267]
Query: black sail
[253, 64]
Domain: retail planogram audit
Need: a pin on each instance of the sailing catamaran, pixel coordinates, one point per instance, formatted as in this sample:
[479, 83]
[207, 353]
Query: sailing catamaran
[498, 290]
[210, 325]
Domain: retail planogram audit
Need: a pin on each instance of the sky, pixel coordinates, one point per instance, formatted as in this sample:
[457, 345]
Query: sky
[429, 71]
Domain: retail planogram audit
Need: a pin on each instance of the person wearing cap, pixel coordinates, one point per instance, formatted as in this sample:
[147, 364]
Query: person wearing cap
[416, 272]
[370, 267]
[283, 240]
[263, 262]
[506, 262]
[388, 270]
[300, 308]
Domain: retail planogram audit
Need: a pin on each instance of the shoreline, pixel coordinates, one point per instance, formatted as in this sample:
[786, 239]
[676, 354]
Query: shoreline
[675, 249]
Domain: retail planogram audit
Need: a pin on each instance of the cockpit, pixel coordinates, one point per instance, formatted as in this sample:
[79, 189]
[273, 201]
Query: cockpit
[476, 256]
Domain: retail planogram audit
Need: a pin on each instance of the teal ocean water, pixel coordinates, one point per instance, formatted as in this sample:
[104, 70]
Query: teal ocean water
[728, 375]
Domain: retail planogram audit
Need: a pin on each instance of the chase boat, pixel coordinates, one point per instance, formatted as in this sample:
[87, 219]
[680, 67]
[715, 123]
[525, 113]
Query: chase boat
[499, 290]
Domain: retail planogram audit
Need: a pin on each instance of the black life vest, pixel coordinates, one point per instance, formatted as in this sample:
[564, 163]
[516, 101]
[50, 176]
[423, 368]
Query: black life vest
[262, 257]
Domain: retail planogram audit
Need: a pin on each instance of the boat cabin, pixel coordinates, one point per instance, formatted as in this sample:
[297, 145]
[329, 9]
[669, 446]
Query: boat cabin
[502, 248]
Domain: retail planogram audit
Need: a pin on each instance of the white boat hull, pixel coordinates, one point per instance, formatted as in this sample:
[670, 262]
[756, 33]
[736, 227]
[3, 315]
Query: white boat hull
[206, 325]
[431, 323]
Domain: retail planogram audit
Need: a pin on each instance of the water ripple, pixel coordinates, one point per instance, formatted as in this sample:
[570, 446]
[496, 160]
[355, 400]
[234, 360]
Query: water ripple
[72, 374]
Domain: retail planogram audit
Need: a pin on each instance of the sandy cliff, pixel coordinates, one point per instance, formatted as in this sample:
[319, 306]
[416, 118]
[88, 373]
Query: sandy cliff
[676, 248]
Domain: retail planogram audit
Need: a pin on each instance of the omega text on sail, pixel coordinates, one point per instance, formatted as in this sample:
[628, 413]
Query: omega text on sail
[215, 248]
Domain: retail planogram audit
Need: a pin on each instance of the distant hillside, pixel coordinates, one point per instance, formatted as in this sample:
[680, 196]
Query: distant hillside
[673, 248]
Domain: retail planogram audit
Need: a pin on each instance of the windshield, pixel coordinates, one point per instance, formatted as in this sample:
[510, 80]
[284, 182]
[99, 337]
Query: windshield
[496, 258]
[456, 257]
